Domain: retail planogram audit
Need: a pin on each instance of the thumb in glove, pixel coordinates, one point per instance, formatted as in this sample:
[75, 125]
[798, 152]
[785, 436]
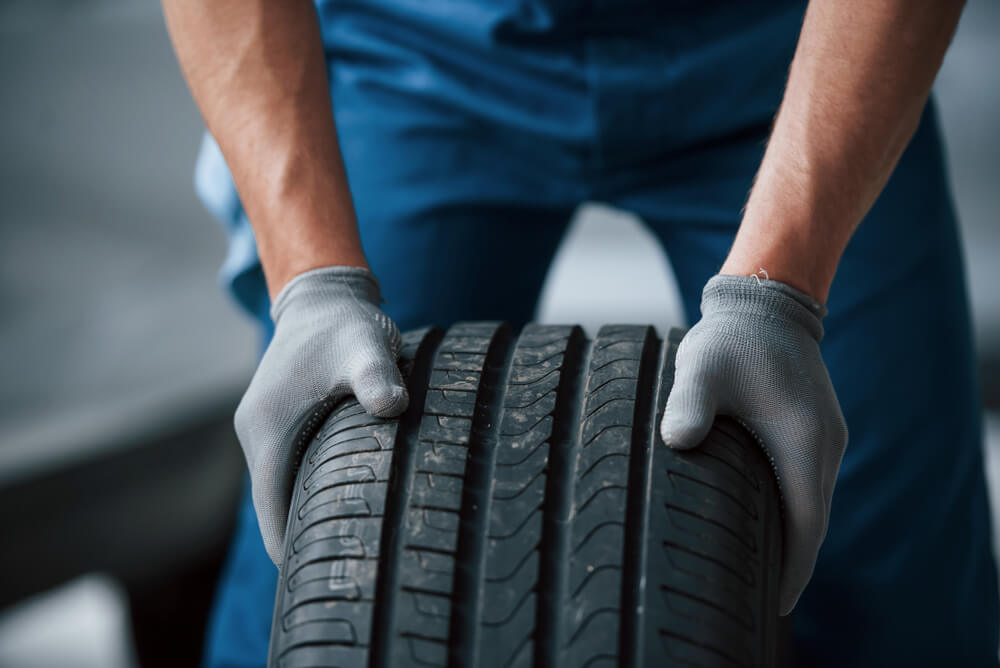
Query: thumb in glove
[331, 340]
[754, 356]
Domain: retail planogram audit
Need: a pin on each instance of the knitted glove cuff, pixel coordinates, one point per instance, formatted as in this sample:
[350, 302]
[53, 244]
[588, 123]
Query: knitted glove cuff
[318, 287]
[755, 297]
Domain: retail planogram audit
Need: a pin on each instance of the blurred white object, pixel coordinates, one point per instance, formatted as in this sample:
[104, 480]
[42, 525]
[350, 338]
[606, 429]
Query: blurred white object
[83, 624]
[610, 269]
[968, 95]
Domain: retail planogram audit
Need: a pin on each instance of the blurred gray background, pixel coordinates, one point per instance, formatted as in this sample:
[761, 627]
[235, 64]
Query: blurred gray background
[121, 358]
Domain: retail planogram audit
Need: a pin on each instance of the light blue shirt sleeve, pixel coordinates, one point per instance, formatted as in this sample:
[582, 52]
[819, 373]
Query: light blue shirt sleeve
[241, 271]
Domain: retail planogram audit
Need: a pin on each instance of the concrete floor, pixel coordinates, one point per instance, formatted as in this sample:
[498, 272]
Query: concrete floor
[107, 262]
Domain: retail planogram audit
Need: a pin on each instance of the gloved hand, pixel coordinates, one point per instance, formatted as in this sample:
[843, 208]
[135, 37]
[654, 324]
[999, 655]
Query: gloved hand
[331, 339]
[754, 355]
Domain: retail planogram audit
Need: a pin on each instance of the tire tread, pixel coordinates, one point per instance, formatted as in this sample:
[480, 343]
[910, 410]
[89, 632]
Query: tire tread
[524, 512]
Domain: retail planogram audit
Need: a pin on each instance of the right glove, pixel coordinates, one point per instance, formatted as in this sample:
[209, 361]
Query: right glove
[754, 355]
[331, 339]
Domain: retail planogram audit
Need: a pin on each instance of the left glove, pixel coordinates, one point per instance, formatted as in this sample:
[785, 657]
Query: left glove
[331, 339]
[754, 356]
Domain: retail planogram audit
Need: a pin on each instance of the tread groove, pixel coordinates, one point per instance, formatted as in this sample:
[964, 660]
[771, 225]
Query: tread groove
[553, 583]
[400, 484]
[612, 423]
[475, 513]
[708, 520]
[636, 511]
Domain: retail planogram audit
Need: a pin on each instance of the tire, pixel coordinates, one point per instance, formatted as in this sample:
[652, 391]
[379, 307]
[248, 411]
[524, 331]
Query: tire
[523, 511]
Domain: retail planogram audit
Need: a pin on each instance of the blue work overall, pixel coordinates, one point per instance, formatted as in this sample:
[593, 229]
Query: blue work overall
[472, 129]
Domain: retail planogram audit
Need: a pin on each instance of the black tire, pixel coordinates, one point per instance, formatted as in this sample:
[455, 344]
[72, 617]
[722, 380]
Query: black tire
[524, 512]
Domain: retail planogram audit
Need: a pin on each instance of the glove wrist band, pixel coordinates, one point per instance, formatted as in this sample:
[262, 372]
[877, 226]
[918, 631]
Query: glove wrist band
[755, 296]
[318, 286]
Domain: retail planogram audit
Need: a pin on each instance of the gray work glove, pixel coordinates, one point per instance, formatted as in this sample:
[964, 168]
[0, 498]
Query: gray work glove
[754, 356]
[331, 339]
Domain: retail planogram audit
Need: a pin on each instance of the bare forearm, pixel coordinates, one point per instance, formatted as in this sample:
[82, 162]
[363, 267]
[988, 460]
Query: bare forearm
[257, 72]
[857, 87]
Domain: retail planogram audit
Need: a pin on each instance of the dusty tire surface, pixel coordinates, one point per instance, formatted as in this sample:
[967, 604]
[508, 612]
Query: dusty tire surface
[524, 512]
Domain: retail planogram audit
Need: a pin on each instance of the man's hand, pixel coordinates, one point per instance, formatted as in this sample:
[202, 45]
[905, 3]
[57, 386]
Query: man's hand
[331, 339]
[754, 355]
[856, 91]
[258, 73]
